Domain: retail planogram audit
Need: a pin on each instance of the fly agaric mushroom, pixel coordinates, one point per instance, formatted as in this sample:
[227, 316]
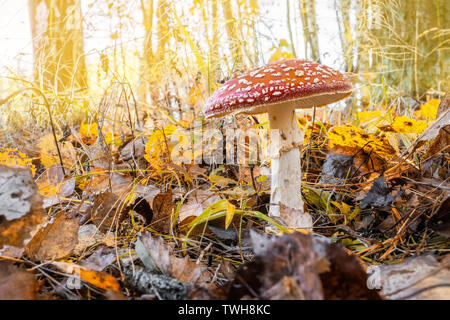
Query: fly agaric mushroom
[279, 88]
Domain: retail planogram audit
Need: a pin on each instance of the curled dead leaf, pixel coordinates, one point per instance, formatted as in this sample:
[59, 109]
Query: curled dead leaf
[56, 240]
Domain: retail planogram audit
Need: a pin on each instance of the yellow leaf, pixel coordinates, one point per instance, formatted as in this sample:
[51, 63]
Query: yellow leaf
[49, 153]
[230, 214]
[366, 116]
[404, 124]
[219, 180]
[157, 145]
[15, 158]
[428, 111]
[357, 138]
[113, 139]
[280, 55]
[101, 280]
[89, 132]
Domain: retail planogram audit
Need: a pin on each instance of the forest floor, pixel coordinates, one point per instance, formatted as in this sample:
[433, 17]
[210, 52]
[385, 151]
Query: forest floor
[110, 216]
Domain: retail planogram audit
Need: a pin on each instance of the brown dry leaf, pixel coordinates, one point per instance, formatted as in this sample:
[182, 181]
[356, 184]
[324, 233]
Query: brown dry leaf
[49, 153]
[344, 275]
[106, 211]
[135, 149]
[440, 221]
[101, 280]
[21, 213]
[16, 283]
[114, 295]
[88, 235]
[99, 180]
[52, 186]
[285, 289]
[56, 240]
[344, 163]
[196, 203]
[440, 127]
[287, 256]
[415, 278]
[319, 268]
[444, 105]
[162, 207]
[155, 253]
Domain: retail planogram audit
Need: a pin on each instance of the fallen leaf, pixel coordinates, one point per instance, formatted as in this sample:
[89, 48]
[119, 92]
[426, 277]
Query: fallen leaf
[56, 240]
[16, 283]
[440, 221]
[49, 153]
[440, 127]
[101, 280]
[380, 195]
[428, 111]
[107, 211]
[162, 212]
[416, 278]
[154, 253]
[15, 158]
[88, 235]
[21, 213]
[353, 137]
[404, 124]
[299, 266]
[53, 186]
[89, 132]
[196, 203]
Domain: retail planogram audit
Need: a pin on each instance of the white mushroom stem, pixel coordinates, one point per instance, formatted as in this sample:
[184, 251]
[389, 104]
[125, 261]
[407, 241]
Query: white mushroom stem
[285, 141]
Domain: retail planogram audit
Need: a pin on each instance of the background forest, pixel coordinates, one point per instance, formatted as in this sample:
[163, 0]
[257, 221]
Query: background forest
[174, 54]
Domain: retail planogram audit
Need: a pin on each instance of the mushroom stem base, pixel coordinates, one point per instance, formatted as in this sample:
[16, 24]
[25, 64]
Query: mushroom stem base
[285, 141]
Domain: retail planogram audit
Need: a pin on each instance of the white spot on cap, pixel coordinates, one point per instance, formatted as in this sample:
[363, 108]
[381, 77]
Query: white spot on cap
[299, 73]
[276, 93]
[244, 81]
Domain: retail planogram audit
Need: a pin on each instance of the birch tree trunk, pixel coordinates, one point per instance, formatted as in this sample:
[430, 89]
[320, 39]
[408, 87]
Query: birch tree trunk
[310, 29]
[57, 31]
[234, 42]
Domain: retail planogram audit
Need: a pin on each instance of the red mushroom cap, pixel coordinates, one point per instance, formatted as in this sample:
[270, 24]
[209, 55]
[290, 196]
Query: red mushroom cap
[303, 83]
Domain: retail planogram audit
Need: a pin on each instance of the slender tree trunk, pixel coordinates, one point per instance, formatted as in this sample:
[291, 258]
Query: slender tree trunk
[345, 32]
[147, 59]
[57, 31]
[233, 38]
[310, 30]
[214, 49]
[288, 22]
[162, 29]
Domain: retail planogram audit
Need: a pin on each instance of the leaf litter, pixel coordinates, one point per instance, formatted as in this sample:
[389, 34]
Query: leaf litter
[132, 224]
